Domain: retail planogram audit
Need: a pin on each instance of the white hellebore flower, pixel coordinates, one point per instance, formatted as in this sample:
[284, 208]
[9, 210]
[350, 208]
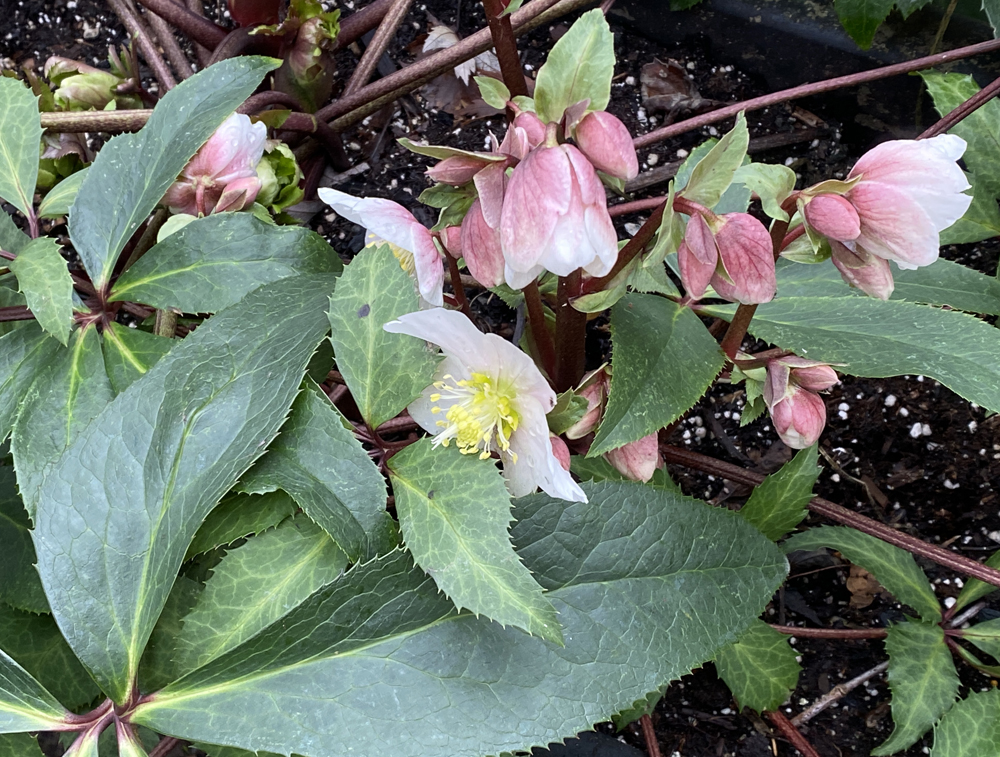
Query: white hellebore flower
[411, 242]
[488, 397]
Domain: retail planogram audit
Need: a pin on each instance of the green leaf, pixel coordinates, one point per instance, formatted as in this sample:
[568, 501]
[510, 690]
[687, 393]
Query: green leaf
[454, 511]
[19, 745]
[599, 469]
[130, 353]
[441, 152]
[35, 642]
[213, 262]
[640, 600]
[971, 728]
[494, 92]
[70, 390]
[992, 10]
[159, 664]
[895, 568]
[941, 283]
[759, 668]
[22, 352]
[254, 585]
[12, 239]
[878, 339]
[61, 197]
[986, 636]
[20, 586]
[922, 679]
[644, 706]
[317, 460]
[25, 705]
[974, 589]
[580, 66]
[570, 407]
[239, 516]
[385, 372]
[44, 279]
[20, 133]
[773, 183]
[132, 171]
[861, 18]
[779, 504]
[713, 174]
[155, 462]
[227, 751]
[664, 360]
[981, 130]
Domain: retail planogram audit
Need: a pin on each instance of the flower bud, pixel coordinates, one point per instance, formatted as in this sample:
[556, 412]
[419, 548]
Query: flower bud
[636, 460]
[457, 170]
[560, 450]
[863, 270]
[697, 256]
[238, 194]
[532, 125]
[481, 249]
[595, 391]
[798, 413]
[745, 252]
[515, 143]
[451, 239]
[833, 216]
[607, 144]
[79, 86]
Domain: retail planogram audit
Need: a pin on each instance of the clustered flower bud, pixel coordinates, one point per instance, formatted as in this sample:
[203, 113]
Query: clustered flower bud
[791, 395]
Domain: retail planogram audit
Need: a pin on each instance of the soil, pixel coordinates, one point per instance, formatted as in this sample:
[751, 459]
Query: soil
[905, 451]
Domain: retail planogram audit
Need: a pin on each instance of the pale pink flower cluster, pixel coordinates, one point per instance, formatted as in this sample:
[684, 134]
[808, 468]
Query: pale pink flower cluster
[791, 395]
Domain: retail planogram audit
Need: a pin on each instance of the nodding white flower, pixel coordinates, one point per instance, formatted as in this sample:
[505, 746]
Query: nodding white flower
[410, 241]
[488, 397]
[908, 192]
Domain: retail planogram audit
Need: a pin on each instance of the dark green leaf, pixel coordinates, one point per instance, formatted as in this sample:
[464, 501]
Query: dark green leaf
[59, 199]
[971, 728]
[38, 646]
[213, 262]
[779, 504]
[43, 278]
[318, 461]
[986, 636]
[22, 351]
[156, 461]
[380, 662]
[132, 171]
[238, 516]
[922, 679]
[861, 18]
[12, 239]
[664, 360]
[385, 372]
[454, 511]
[759, 668]
[877, 339]
[894, 568]
[159, 665]
[129, 353]
[70, 390]
[570, 407]
[599, 469]
[20, 586]
[974, 589]
[580, 66]
[644, 706]
[19, 745]
[25, 705]
[20, 133]
[441, 152]
[254, 585]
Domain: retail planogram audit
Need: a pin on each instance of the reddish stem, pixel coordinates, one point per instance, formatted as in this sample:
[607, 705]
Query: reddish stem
[369, 60]
[831, 633]
[197, 27]
[649, 735]
[632, 248]
[130, 18]
[506, 47]
[456, 285]
[790, 732]
[361, 22]
[964, 110]
[636, 206]
[571, 333]
[539, 329]
[15, 313]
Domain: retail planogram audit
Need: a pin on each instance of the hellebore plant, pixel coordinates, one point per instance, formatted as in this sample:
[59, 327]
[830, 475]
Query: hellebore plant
[222, 515]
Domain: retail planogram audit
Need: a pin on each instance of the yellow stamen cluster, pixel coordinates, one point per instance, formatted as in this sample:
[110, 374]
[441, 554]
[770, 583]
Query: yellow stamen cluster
[481, 414]
[405, 257]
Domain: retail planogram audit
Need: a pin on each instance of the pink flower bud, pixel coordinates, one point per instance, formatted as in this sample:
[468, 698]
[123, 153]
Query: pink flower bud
[555, 218]
[481, 248]
[863, 270]
[515, 143]
[532, 125]
[747, 258]
[637, 460]
[798, 413]
[456, 170]
[451, 238]
[607, 144]
[595, 391]
[833, 216]
[238, 194]
[697, 256]
[813, 375]
[560, 450]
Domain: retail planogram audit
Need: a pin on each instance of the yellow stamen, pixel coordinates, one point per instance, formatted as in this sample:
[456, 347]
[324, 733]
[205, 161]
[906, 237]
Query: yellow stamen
[482, 414]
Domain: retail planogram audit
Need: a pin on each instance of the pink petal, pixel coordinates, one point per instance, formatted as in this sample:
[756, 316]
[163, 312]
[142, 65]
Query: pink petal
[607, 144]
[745, 250]
[490, 183]
[893, 226]
[538, 193]
[481, 248]
[799, 419]
[863, 270]
[833, 216]
[636, 460]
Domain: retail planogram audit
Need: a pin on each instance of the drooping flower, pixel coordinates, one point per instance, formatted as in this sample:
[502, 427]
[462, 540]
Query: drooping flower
[862, 270]
[607, 144]
[411, 242]
[636, 460]
[907, 193]
[731, 252]
[790, 393]
[223, 173]
[481, 247]
[555, 218]
[488, 397]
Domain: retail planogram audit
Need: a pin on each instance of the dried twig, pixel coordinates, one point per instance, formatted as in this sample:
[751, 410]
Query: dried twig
[790, 732]
[836, 693]
[173, 50]
[376, 48]
[129, 16]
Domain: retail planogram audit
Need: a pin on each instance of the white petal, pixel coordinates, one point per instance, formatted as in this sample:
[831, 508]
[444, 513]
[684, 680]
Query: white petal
[521, 279]
[537, 466]
[451, 331]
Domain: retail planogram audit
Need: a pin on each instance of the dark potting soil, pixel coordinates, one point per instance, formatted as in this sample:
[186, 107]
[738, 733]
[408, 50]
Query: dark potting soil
[905, 451]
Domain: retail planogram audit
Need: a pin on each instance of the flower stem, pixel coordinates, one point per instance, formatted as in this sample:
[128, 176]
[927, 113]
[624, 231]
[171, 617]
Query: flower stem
[539, 330]
[383, 36]
[632, 248]
[506, 46]
[456, 285]
[197, 27]
[130, 18]
[571, 333]
[790, 732]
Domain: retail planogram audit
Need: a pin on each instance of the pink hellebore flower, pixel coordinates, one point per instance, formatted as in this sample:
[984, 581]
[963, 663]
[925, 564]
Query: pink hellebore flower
[411, 241]
[636, 460]
[481, 248]
[908, 193]
[798, 412]
[862, 270]
[735, 257]
[488, 397]
[607, 144]
[223, 173]
[555, 218]
[457, 170]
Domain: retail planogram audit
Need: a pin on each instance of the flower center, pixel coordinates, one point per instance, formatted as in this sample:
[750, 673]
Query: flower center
[483, 414]
[405, 257]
